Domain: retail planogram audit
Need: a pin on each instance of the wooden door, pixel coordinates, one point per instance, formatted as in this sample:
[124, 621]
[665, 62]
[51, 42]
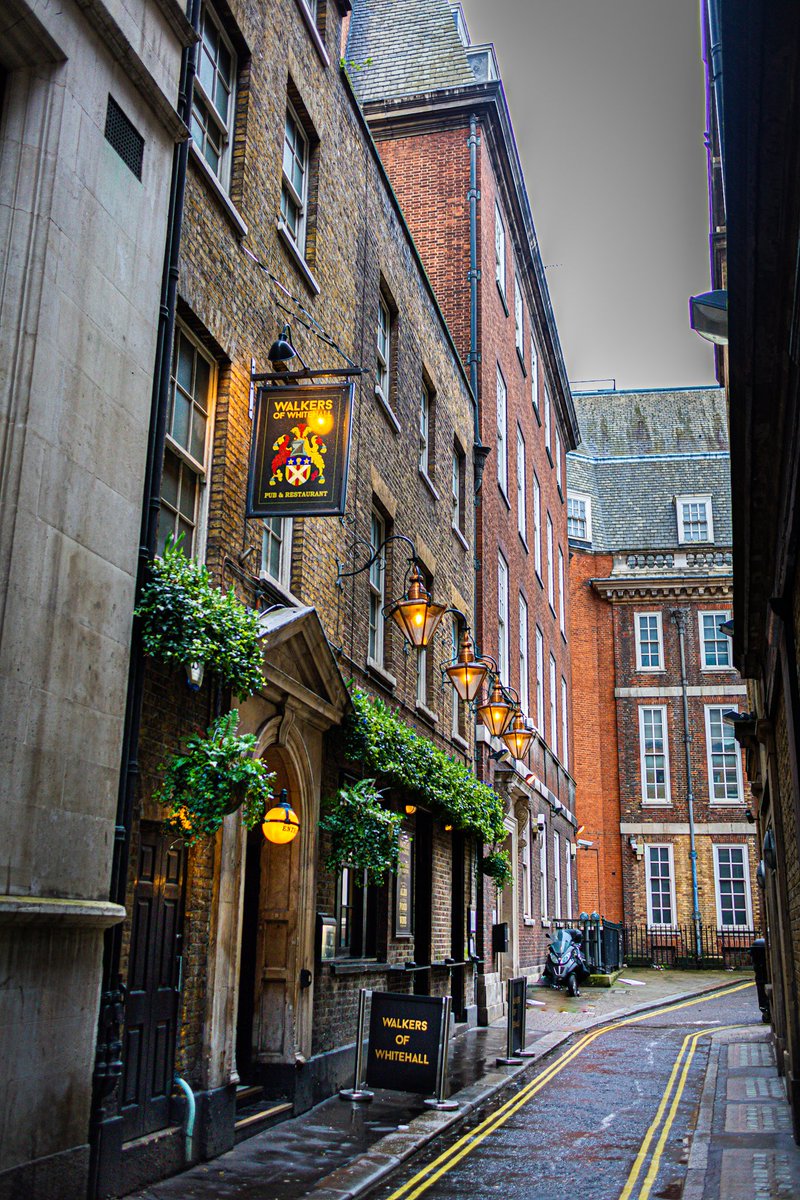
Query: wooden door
[277, 983]
[152, 1003]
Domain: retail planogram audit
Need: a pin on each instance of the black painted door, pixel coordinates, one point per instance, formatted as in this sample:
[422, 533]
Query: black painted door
[152, 1003]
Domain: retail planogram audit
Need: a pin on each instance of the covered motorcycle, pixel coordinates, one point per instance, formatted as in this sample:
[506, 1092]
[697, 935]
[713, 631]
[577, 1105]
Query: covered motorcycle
[565, 966]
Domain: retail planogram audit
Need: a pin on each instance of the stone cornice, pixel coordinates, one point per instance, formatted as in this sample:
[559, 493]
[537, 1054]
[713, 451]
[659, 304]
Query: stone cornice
[701, 587]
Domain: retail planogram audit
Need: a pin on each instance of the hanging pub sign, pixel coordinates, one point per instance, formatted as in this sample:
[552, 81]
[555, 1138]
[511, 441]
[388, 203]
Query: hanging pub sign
[300, 453]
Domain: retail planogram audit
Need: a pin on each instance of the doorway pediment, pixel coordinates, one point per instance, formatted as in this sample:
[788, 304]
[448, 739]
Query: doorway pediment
[298, 662]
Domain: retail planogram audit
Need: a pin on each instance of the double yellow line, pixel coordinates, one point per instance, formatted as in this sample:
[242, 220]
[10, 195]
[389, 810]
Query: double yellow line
[468, 1142]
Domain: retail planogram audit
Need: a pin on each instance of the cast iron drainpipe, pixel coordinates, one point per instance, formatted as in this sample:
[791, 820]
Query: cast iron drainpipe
[108, 1052]
[679, 616]
[189, 1094]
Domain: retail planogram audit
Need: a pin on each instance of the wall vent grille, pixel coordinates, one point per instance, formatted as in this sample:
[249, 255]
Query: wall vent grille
[125, 138]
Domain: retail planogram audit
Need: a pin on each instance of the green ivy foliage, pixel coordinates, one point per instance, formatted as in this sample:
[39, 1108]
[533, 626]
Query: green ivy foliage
[186, 619]
[381, 740]
[364, 834]
[497, 865]
[214, 776]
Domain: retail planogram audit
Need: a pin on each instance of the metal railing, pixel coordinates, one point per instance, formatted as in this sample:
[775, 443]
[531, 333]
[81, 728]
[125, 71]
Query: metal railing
[603, 942]
[676, 946]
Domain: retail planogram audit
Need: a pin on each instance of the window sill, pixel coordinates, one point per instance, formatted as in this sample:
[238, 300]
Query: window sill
[718, 670]
[656, 804]
[380, 673]
[459, 741]
[521, 358]
[725, 803]
[651, 670]
[297, 258]
[502, 492]
[545, 922]
[529, 921]
[502, 295]
[460, 537]
[357, 966]
[225, 202]
[387, 410]
[426, 479]
[427, 714]
[319, 45]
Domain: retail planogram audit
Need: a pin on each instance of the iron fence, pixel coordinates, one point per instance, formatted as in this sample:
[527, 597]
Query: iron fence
[608, 946]
[688, 948]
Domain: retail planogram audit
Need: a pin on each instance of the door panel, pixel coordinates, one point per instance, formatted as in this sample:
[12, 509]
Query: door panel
[152, 1005]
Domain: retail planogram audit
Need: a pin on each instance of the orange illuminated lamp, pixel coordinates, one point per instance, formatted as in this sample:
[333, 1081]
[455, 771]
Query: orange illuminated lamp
[517, 738]
[416, 615]
[281, 823]
[411, 809]
[467, 673]
[496, 713]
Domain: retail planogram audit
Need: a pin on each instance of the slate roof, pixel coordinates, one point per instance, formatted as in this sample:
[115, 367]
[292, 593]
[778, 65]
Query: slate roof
[638, 451]
[403, 47]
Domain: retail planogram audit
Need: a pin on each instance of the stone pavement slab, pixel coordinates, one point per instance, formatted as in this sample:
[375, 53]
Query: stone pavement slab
[338, 1150]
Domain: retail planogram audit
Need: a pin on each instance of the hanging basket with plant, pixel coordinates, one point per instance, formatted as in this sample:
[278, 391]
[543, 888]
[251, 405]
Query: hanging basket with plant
[187, 620]
[497, 865]
[364, 835]
[214, 776]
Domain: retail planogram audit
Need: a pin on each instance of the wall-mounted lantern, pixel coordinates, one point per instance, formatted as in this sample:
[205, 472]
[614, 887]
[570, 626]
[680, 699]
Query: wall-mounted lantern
[281, 823]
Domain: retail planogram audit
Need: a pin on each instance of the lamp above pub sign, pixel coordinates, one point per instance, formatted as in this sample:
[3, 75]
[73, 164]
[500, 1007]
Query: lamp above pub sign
[300, 453]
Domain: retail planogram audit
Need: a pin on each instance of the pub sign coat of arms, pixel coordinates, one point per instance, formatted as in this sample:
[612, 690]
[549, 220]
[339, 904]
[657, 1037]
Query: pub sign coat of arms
[300, 452]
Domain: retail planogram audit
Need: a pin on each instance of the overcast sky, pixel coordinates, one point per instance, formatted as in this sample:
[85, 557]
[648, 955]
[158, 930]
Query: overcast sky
[607, 102]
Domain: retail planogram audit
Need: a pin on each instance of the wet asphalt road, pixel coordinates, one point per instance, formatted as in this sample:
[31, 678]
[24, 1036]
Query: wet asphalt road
[579, 1134]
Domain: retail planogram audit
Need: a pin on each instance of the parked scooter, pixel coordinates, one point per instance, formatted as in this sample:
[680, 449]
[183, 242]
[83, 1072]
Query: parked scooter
[565, 965]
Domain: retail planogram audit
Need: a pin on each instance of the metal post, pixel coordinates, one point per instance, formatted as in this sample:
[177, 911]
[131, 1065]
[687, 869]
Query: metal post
[438, 1101]
[357, 1092]
[523, 1053]
[679, 617]
[510, 1059]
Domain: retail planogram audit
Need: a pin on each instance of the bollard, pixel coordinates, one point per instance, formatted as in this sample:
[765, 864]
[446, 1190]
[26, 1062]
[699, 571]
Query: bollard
[357, 1092]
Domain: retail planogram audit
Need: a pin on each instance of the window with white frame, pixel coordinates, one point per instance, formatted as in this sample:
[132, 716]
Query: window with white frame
[425, 406]
[543, 899]
[568, 876]
[732, 885]
[715, 645]
[559, 477]
[377, 591]
[654, 754]
[562, 612]
[518, 318]
[192, 380]
[502, 619]
[553, 743]
[551, 586]
[649, 642]
[556, 875]
[276, 549]
[564, 725]
[294, 187]
[660, 881]
[499, 249]
[526, 867]
[457, 484]
[384, 349]
[214, 95]
[724, 759]
[522, 498]
[579, 517]
[547, 422]
[524, 693]
[502, 431]
[535, 378]
[695, 519]
[537, 526]
[540, 681]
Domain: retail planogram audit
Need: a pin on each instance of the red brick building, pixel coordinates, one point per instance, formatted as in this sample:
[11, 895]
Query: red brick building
[651, 578]
[436, 108]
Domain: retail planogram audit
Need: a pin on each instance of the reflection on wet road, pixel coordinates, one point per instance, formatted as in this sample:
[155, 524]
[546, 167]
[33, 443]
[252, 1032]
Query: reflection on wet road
[610, 1117]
